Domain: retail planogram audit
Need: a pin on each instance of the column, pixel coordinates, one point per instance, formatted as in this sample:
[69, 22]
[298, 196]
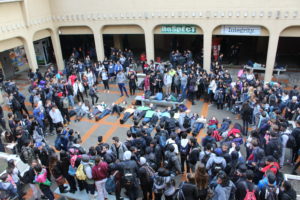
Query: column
[149, 40]
[30, 54]
[271, 55]
[57, 51]
[98, 37]
[207, 43]
[118, 42]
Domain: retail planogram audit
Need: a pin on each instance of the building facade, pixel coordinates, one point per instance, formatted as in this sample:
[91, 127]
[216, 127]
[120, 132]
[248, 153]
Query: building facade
[24, 22]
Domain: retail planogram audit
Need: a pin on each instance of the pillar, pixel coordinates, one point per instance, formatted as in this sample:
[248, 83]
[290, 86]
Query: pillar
[118, 42]
[207, 44]
[57, 51]
[271, 55]
[99, 45]
[30, 54]
[149, 40]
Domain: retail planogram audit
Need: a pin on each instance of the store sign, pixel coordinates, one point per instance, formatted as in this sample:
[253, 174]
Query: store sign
[178, 29]
[240, 30]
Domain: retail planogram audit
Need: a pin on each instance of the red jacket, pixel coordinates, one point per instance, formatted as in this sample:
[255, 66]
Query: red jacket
[100, 171]
[274, 167]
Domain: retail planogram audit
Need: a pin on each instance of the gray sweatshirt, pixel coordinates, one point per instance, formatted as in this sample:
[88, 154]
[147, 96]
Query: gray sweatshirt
[121, 78]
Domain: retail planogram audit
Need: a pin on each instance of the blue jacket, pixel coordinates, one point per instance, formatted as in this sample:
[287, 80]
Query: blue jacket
[118, 67]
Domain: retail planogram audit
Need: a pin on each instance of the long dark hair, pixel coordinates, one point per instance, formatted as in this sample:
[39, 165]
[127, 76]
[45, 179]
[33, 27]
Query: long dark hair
[201, 176]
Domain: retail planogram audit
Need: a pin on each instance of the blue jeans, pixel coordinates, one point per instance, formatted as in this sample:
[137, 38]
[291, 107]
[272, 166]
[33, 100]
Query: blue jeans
[104, 113]
[183, 91]
[198, 126]
[71, 100]
[122, 88]
[146, 119]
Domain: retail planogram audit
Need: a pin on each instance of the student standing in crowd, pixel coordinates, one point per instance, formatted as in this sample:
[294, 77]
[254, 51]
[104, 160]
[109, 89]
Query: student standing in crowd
[149, 159]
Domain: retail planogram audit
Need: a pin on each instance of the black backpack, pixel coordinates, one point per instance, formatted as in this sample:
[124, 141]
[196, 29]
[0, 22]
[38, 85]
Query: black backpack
[186, 122]
[271, 193]
[128, 177]
[22, 156]
[205, 158]
[179, 195]
[277, 150]
[291, 143]
[184, 150]
[216, 167]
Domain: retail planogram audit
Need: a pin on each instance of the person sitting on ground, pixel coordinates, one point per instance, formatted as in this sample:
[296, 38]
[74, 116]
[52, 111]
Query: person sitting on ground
[81, 109]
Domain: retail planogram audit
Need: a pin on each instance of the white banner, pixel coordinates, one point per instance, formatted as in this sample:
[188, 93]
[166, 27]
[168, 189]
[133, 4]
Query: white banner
[240, 30]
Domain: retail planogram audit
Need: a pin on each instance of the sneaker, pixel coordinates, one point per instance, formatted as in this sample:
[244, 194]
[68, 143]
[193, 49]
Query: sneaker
[121, 121]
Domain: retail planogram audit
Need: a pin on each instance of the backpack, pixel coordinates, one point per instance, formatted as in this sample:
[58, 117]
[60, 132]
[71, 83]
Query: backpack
[57, 143]
[110, 184]
[184, 150]
[179, 195]
[271, 193]
[186, 122]
[158, 184]
[291, 143]
[216, 167]
[205, 158]
[80, 174]
[91, 92]
[22, 155]
[150, 172]
[250, 195]
[162, 141]
[277, 150]
[128, 177]
[65, 103]
[71, 171]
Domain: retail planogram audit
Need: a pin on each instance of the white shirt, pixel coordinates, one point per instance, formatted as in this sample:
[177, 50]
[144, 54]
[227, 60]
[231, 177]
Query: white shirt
[56, 116]
[170, 141]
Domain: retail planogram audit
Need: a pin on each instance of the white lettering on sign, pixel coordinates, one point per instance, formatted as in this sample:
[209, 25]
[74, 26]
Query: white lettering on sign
[240, 30]
[178, 29]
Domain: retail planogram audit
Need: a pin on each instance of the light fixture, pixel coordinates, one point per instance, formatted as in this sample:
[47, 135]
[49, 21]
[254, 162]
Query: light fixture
[261, 14]
[186, 14]
[216, 14]
[286, 14]
[207, 14]
[194, 14]
[173, 14]
[237, 13]
[295, 14]
[200, 14]
[146, 15]
[277, 14]
[253, 14]
[166, 14]
[270, 14]
[179, 14]
[230, 14]
[153, 14]
[222, 14]
[59, 31]
[245, 14]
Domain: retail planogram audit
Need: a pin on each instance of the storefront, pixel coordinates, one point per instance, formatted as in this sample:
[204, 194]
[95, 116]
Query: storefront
[123, 37]
[12, 57]
[182, 37]
[288, 50]
[240, 44]
[79, 39]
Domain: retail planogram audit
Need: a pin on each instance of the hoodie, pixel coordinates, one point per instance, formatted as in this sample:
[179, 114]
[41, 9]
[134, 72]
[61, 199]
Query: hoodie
[215, 159]
[223, 193]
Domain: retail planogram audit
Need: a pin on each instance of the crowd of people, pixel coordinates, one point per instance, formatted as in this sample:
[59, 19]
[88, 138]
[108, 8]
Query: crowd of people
[162, 144]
